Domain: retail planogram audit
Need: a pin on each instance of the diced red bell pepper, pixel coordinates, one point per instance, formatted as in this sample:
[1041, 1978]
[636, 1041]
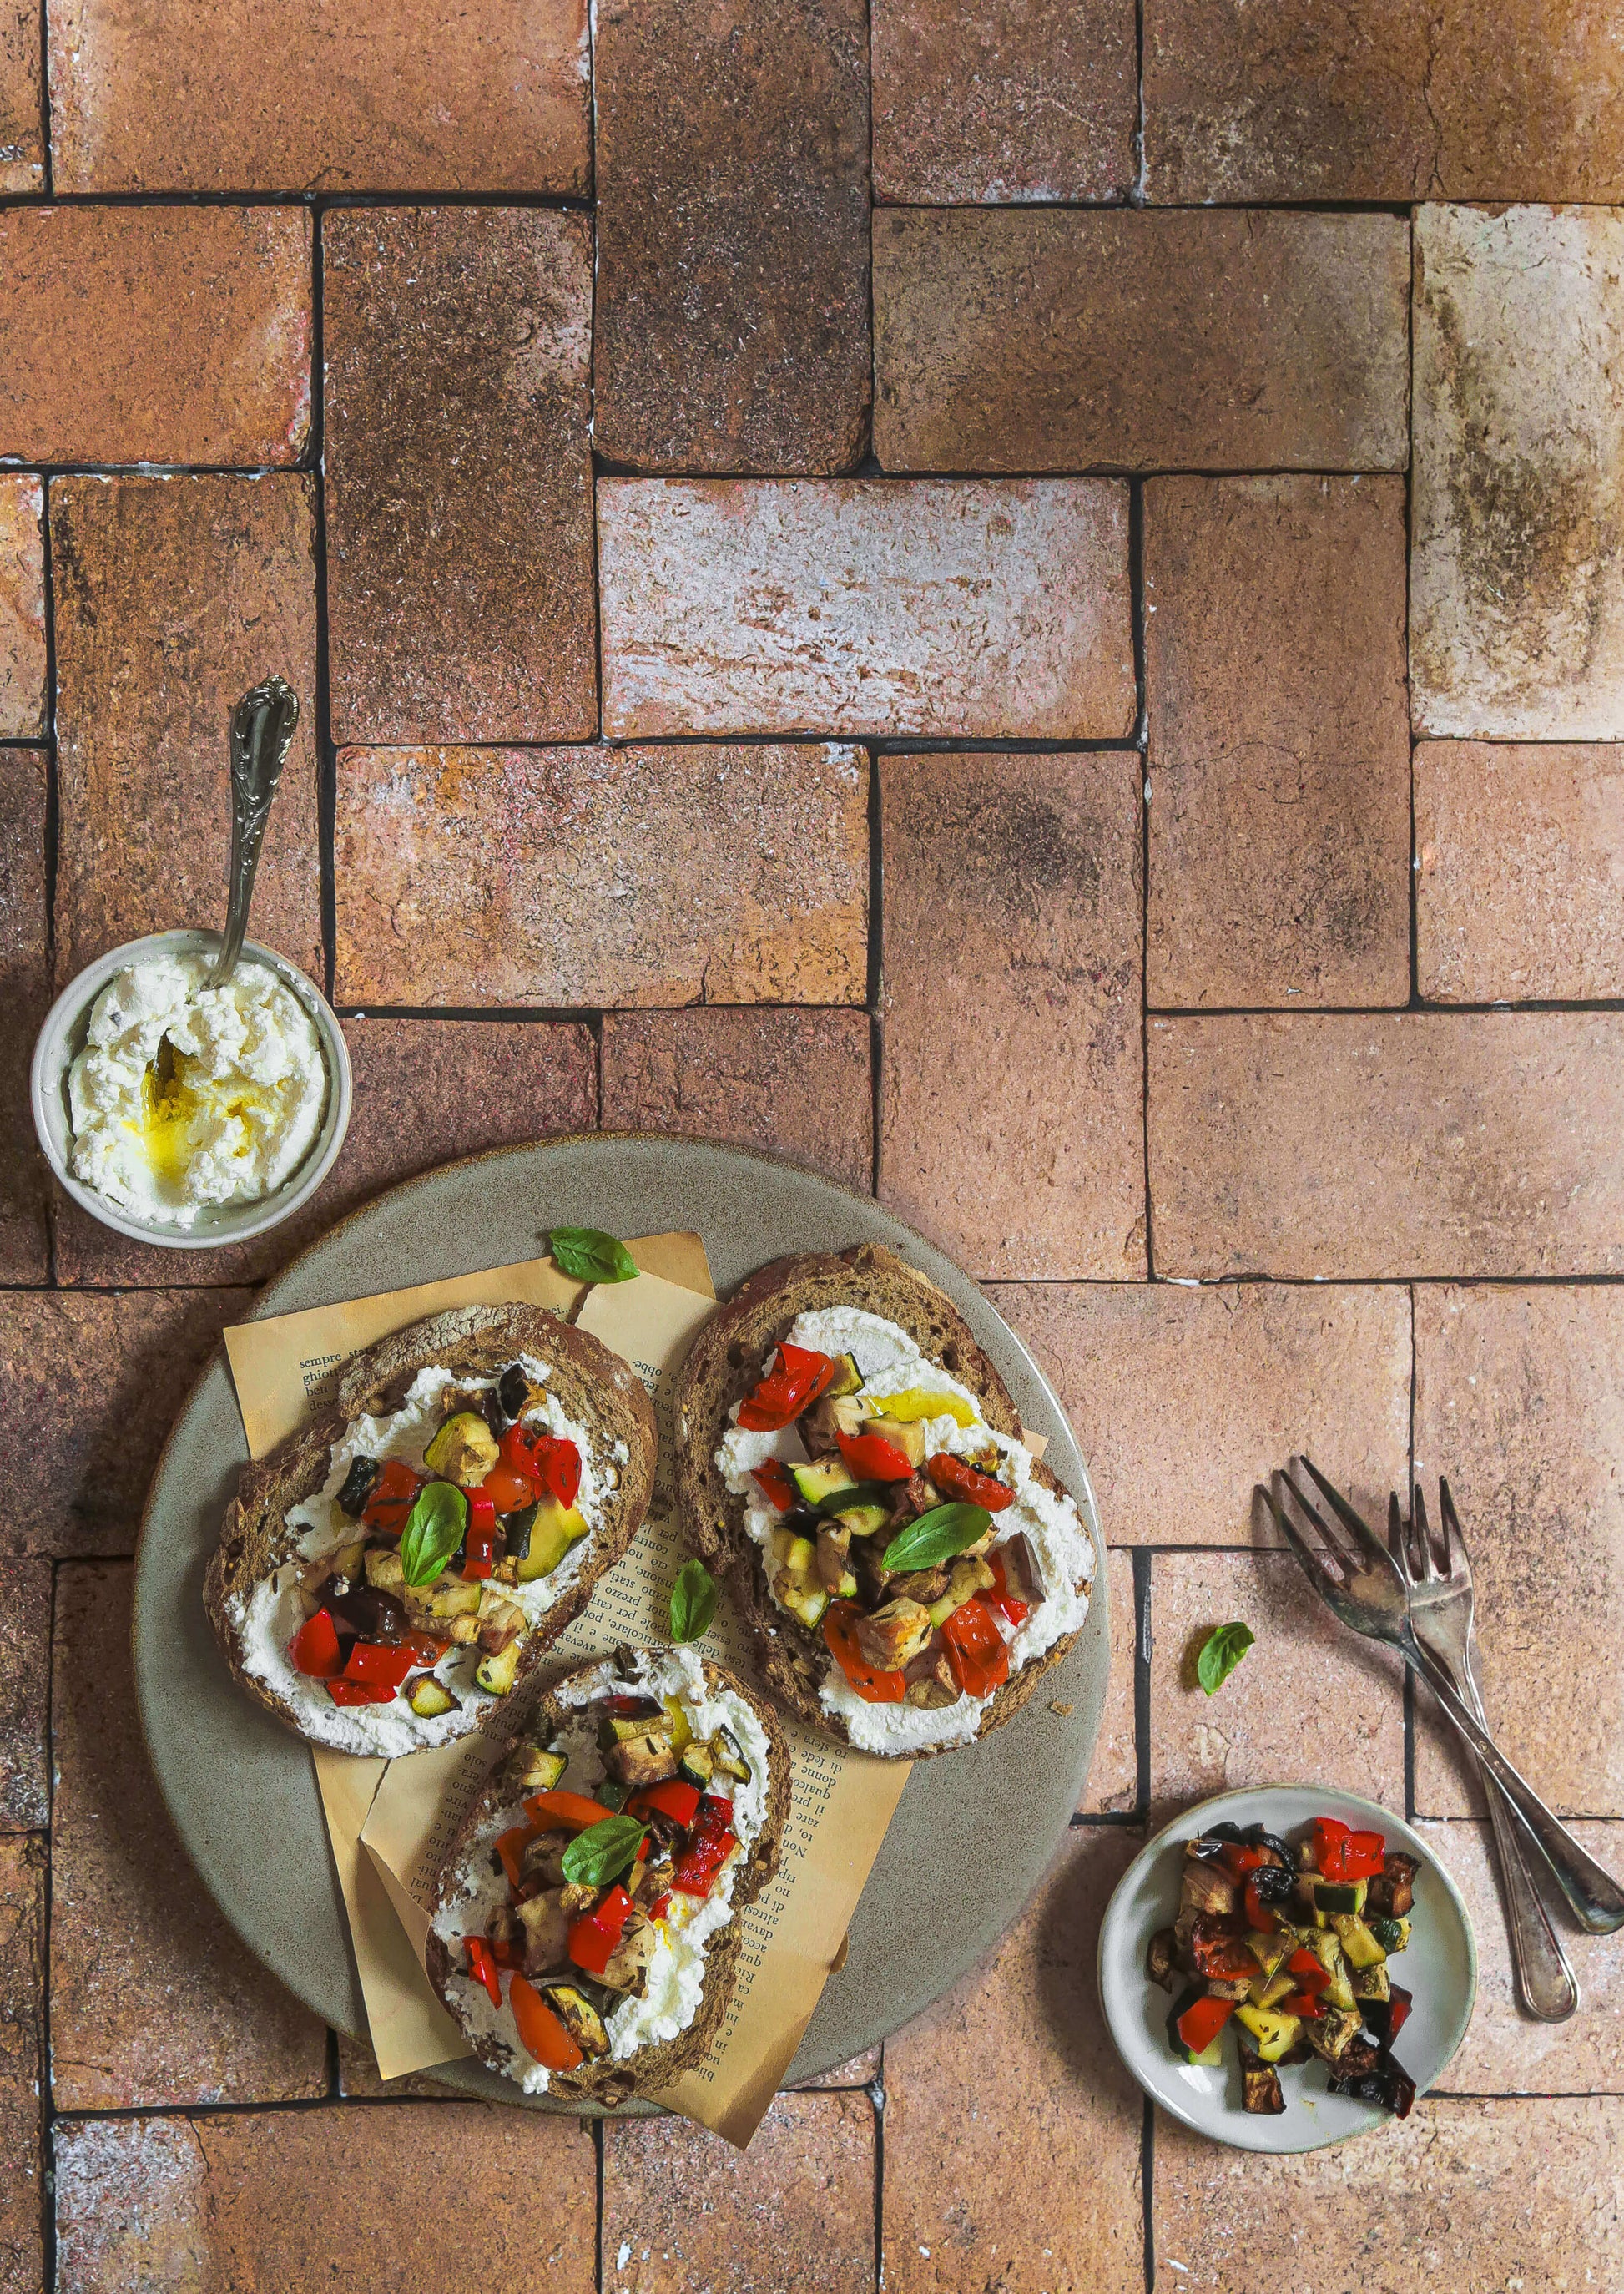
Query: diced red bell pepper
[673, 1799]
[1261, 1914]
[1311, 1971]
[506, 1951]
[1000, 1597]
[799, 1377]
[977, 1654]
[1344, 1855]
[482, 1967]
[873, 1685]
[1200, 2023]
[955, 1479]
[380, 1663]
[546, 1460]
[510, 1847]
[1238, 1859]
[540, 2033]
[564, 1811]
[774, 1481]
[595, 1935]
[660, 1908]
[872, 1459]
[1305, 2004]
[1219, 1948]
[694, 1872]
[391, 1497]
[360, 1692]
[315, 1647]
[1402, 2001]
[479, 1540]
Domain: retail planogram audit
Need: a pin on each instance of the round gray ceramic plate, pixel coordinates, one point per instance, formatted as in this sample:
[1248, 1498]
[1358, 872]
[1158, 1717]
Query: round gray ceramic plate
[956, 1866]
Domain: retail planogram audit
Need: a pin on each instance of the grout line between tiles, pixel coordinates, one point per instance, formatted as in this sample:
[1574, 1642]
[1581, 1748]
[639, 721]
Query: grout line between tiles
[876, 2093]
[54, 819]
[1143, 1646]
[876, 968]
[47, 2107]
[47, 163]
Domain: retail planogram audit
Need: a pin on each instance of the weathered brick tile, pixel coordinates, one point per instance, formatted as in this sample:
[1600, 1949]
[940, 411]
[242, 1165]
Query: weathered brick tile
[25, 1670]
[1011, 2128]
[797, 1083]
[459, 474]
[732, 179]
[89, 1385]
[1380, 100]
[155, 334]
[1516, 579]
[1309, 1700]
[22, 1940]
[595, 877]
[861, 606]
[1139, 340]
[1522, 852]
[1507, 2052]
[1278, 741]
[1005, 102]
[153, 1999]
[1406, 1143]
[173, 597]
[426, 1092]
[22, 604]
[25, 992]
[22, 150]
[1113, 1775]
[1476, 2197]
[286, 2202]
[685, 2214]
[1517, 1403]
[1010, 1109]
[304, 96]
[1183, 1399]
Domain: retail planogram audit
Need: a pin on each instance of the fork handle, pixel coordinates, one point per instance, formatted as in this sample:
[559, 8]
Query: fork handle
[1597, 1901]
[1546, 1983]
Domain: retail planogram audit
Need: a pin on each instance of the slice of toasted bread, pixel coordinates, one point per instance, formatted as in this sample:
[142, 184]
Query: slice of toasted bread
[728, 1358]
[595, 1388]
[656, 2065]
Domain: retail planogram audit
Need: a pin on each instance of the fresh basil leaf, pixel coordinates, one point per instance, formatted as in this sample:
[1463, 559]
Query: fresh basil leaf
[602, 1851]
[936, 1536]
[434, 1528]
[1221, 1652]
[692, 1601]
[590, 1255]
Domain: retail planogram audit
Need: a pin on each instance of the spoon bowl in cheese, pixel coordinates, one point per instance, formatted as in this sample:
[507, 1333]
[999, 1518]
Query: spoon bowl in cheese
[184, 1116]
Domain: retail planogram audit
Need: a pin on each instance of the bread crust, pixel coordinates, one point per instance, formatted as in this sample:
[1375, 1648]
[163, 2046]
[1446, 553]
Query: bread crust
[653, 2066]
[725, 1361]
[595, 1387]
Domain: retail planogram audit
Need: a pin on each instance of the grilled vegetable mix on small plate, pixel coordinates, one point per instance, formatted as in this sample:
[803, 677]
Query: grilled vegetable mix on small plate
[1290, 1950]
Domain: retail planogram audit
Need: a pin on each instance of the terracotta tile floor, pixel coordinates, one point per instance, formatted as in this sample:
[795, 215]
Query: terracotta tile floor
[1017, 600]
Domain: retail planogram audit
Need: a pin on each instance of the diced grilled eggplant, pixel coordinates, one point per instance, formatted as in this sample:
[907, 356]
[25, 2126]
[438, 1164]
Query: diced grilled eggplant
[1212, 1843]
[696, 1765]
[357, 1486]
[464, 1450]
[1208, 1888]
[895, 1634]
[1372, 1982]
[428, 1697]
[1393, 1891]
[626, 1968]
[547, 1932]
[1389, 2086]
[542, 1770]
[1159, 1956]
[376, 1615]
[1229, 1987]
[727, 1757]
[642, 1760]
[1259, 2088]
[580, 2018]
[1258, 1836]
[1274, 1882]
[384, 1569]
[647, 1717]
[1336, 2031]
[517, 1528]
[514, 1393]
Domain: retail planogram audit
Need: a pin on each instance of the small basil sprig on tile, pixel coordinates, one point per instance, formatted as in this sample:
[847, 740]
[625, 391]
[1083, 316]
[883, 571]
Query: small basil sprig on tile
[590, 1255]
[1221, 1652]
[692, 1601]
[602, 1851]
[435, 1529]
[935, 1536]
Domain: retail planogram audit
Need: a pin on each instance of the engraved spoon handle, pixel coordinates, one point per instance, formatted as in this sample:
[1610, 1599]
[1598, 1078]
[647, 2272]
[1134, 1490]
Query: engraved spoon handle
[262, 726]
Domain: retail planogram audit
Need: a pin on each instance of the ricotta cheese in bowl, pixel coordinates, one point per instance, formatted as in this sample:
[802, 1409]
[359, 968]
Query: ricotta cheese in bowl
[186, 1098]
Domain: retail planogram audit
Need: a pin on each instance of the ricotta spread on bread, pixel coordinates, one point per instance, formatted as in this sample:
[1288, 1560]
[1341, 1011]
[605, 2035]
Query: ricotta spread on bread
[186, 1097]
[1034, 1521]
[511, 1911]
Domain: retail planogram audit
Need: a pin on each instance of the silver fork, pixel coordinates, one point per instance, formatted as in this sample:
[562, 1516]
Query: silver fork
[1358, 1579]
[1438, 1575]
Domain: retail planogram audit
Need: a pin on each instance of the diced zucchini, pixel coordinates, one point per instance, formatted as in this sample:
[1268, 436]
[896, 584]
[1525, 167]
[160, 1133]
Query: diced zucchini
[847, 1378]
[909, 1439]
[383, 1569]
[429, 1698]
[455, 1599]
[1339, 1896]
[1259, 2088]
[1372, 1982]
[1268, 1950]
[494, 1674]
[1327, 1948]
[464, 1450]
[1268, 1990]
[807, 1602]
[1275, 2033]
[542, 1770]
[801, 1557]
[1393, 1935]
[727, 1756]
[815, 1483]
[695, 1765]
[616, 1727]
[553, 1529]
[1357, 1941]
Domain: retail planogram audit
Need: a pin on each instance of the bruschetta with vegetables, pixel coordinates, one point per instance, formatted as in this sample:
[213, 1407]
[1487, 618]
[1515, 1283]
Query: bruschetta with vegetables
[848, 1455]
[1291, 1948]
[386, 1577]
[585, 1928]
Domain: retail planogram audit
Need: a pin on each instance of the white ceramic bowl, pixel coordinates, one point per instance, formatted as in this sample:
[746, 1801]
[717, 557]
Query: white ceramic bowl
[62, 1039]
[1439, 1966]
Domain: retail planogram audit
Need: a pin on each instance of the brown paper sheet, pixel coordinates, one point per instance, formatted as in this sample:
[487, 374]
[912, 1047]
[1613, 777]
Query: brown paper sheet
[389, 1830]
